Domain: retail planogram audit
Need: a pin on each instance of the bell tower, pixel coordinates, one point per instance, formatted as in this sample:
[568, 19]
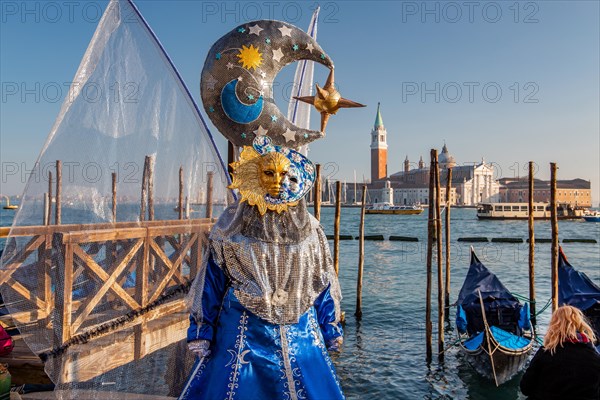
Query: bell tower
[378, 149]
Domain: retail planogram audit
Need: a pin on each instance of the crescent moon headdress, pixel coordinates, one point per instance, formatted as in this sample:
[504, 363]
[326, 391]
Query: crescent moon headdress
[237, 83]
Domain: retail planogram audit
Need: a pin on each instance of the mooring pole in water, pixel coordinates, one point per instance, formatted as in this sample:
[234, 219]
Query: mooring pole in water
[430, 235]
[438, 245]
[49, 205]
[150, 188]
[144, 194]
[361, 255]
[554, 217]
[336, 227]
[317, 193]
[531, 248]
[58, 207]
[209, 194]
[180, 198]
[114, 197]
[447, 228]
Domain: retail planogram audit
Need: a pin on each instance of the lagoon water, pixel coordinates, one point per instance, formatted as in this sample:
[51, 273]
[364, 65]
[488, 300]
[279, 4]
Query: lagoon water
[383, 355]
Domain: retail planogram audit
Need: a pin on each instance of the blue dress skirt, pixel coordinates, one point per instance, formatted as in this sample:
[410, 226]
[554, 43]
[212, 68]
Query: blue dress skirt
[252, 359]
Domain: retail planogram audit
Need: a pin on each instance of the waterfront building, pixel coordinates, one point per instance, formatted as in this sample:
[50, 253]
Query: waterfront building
[574, 192]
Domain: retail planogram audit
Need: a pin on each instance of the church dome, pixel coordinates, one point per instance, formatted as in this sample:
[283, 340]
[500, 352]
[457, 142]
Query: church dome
[446, 160]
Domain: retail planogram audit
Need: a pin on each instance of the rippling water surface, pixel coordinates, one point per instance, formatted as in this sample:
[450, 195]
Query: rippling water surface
[384, 354]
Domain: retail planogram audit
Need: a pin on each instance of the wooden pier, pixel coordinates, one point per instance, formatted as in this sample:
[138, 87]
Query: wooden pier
[120, 322]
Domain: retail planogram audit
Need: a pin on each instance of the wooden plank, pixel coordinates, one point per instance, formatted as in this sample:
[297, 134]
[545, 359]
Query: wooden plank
[104, 235]
[168, 276]
[93, 301]
[168, 263]
[175, 230]
[117, 349]
[26, 293]
[16, 261]
[65, 289]
[109, 281]
[35, 230]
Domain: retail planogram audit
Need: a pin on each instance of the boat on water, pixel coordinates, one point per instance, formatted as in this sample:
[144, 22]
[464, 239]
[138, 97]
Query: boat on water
[388, 208]
[494, 326]
[521, 211]
[576, 289]
[591, 216]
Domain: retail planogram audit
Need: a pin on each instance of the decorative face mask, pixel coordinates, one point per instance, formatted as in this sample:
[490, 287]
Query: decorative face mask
[272, 177]
[273, 171]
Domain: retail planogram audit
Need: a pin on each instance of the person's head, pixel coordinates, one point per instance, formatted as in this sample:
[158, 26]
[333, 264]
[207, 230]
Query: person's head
[565, 323]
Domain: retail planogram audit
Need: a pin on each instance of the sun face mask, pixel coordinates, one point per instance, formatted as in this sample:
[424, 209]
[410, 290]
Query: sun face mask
[272, 177]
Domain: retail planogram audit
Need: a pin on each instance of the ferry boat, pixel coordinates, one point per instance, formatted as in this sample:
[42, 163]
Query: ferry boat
[387, 208]
[592, 216]
[521, 211]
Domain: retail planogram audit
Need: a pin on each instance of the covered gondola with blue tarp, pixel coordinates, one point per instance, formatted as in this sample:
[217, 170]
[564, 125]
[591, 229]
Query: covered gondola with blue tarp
[576, 289]
[493, 324]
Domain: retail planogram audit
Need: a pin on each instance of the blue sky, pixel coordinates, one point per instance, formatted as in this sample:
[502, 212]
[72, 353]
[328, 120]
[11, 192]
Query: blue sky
[507, 81]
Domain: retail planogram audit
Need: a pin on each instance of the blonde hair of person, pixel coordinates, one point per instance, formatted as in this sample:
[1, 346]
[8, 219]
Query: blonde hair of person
[565, 323]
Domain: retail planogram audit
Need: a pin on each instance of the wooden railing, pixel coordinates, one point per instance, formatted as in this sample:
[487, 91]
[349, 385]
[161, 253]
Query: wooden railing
[132, 266]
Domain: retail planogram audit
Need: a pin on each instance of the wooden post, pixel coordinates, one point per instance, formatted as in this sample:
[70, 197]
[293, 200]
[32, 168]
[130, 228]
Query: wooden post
[187, 208]
[180, 202]
[114, 197]
[144, 195]
[58, 208]
[430, 234]
[317, 192]
[209, 194]
[150, 188]
[361, 256]
[336, 227]
[554, 218]
[447, 226]
[440, 280]
[531, 248]
[46, 208]
[49, 211]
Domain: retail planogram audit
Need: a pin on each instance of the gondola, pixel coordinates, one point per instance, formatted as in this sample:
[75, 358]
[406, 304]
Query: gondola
[576, 289]
[494, 326]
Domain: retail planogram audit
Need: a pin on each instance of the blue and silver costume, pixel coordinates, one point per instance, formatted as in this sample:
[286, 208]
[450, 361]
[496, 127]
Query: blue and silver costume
[267, 299]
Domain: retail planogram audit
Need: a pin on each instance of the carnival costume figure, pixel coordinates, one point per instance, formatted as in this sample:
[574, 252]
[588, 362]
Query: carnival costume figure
[265, 306]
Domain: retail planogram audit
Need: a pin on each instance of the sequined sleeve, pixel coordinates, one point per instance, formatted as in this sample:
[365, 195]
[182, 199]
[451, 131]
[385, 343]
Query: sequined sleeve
[215, 286]
[325, 306]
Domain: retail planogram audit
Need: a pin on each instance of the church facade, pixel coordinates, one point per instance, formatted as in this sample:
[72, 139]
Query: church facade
[471, 184]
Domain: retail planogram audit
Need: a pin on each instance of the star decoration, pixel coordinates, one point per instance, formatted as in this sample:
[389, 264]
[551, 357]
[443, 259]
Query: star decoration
[295, 47]
[306, 136]
[250, 97]
[277, 54]
[263, 74]
[268, 41]
[260, 131]
[240, 78]
[285, 31]
[211, 109]
[210, 82]
[241, 30]
[273, 118]
[218, 56]
[328, 100]
[243, 135]
[289, 135]
[310, 47]
[322, 56]
[255, 30]
[229, 65]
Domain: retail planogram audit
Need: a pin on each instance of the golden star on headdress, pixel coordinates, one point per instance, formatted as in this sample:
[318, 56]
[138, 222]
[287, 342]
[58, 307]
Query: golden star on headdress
[328, 100]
